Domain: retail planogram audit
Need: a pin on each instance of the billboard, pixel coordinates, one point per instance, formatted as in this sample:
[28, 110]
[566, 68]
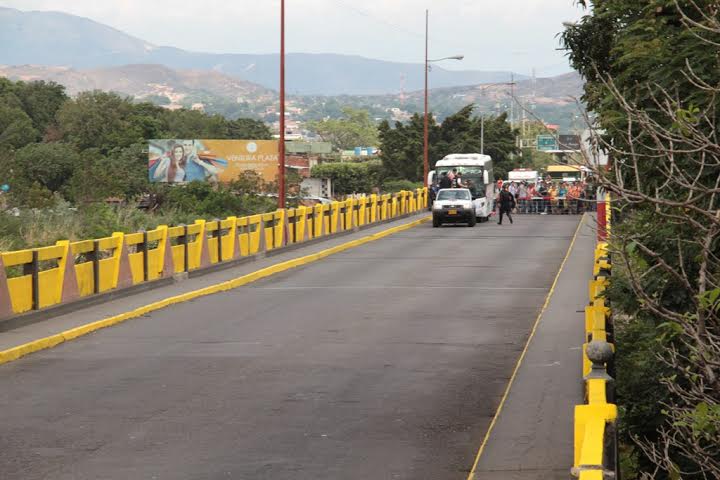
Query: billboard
[569, 142]
[179, 161]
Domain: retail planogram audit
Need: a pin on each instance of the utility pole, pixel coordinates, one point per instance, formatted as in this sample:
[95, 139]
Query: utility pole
[426, 155]
[512, 100]
[512, 109]
[482, 116]
[281, 144]
[482, 134]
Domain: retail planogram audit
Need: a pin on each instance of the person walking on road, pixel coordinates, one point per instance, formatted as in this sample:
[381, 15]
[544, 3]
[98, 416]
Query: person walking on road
[506, 202]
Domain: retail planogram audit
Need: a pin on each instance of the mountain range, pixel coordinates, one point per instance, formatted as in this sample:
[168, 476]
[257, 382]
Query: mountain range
[82, 54]
[550, 98]
[60, 39]
[145, 82]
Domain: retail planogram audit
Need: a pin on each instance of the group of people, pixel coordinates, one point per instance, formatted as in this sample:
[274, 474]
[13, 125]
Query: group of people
[452, 179]
[546, 197]
[542, 197]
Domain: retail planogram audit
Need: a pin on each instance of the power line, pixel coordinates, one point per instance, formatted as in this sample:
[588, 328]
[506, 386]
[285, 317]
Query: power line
[380, 20]
[394, 26]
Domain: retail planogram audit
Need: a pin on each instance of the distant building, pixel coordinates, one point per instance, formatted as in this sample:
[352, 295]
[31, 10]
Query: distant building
[359, 153]
[399, 115]
[303, 156]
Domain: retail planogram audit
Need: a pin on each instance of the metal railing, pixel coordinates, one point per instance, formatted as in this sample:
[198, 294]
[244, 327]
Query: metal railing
[595, 422]
[554, 206]
[37, 278]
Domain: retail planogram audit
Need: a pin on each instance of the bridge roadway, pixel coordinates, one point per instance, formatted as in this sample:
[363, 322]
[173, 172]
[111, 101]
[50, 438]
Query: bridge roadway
[387, 361]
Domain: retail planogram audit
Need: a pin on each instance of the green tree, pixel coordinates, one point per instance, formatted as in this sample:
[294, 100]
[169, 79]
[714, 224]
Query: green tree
[39, 100]
[651, 80]
[39, 170]
[354, 129]
[350, 177]
[248, 182]
[402, 146]
[95, 145]
[121, 173]
[248, 129]
[191, 124]
[16, 127]
[100, 120]
[500, 144]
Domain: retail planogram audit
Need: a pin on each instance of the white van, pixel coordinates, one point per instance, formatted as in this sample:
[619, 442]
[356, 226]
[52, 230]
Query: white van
[477, 175]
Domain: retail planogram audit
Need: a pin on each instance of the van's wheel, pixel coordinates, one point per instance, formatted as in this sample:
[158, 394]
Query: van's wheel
[436, 222]
[472, 221]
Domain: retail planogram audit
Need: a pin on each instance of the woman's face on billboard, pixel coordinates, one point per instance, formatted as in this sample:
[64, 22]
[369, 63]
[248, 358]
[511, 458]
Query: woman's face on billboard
[178, 153]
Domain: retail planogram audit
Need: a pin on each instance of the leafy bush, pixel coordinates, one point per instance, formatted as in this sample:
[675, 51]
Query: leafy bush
[394, 186]
[43, 227]
[9, 232]
[38, 170]
[349, 177]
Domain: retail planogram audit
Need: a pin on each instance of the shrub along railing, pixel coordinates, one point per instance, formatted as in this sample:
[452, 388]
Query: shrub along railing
[38, 278]
[596, 421]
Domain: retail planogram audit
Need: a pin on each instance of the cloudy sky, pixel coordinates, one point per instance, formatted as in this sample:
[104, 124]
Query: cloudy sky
[514, 35]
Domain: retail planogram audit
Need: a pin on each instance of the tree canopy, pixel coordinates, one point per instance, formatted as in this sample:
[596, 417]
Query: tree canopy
[93, 146]
[402, 146]
[651, 71]
[354, 129]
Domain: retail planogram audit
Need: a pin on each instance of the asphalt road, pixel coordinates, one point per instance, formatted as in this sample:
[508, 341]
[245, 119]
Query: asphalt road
[387, 361]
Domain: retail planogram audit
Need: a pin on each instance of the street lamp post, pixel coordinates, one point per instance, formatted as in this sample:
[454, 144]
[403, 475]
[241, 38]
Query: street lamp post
[281, 141]
[426, 158]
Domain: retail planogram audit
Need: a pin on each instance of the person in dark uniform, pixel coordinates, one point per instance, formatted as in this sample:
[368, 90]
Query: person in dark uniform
[506, 202]
[445, 181]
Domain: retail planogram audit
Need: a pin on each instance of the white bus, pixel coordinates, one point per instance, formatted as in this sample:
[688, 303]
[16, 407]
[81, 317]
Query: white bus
[523, 175]
[477, 175]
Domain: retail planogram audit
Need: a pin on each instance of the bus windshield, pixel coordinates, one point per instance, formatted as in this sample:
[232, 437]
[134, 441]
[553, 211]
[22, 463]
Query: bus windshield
[472, 178]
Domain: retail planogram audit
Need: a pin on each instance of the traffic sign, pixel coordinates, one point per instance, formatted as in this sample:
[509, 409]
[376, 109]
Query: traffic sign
[546, 143]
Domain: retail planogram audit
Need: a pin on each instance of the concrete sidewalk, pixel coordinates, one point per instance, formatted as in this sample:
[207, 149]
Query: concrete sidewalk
[533, 435]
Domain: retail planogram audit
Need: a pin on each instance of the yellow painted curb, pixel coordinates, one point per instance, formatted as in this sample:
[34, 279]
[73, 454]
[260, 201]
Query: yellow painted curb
[49, 342]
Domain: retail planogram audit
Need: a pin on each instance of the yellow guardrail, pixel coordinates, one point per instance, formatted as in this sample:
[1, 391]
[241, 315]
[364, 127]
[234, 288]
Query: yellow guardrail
[37, 278]
[595, 442]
